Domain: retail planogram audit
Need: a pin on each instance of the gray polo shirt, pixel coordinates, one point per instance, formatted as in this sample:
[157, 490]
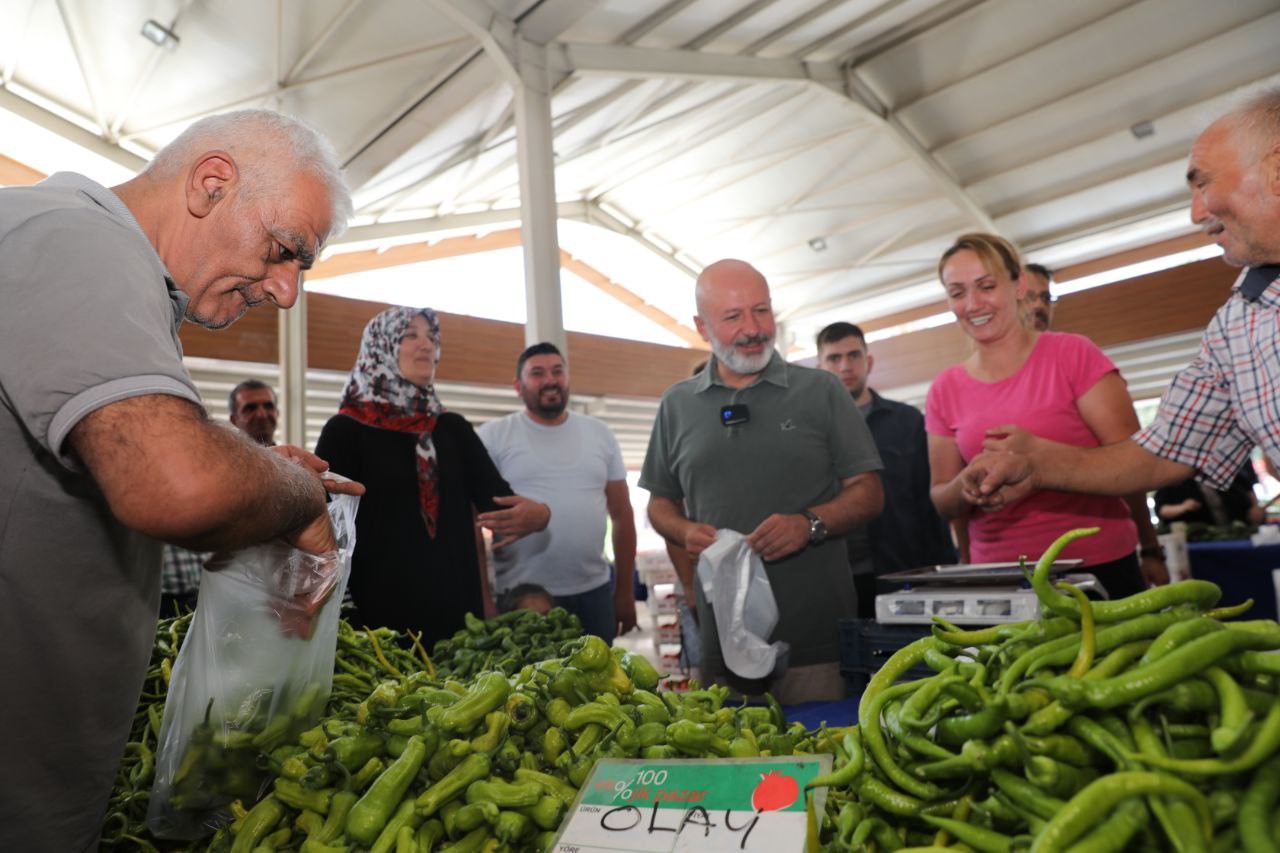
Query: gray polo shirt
[804, 436]
[88, 317]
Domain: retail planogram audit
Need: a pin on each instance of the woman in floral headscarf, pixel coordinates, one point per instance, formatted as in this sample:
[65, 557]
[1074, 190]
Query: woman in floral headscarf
[416, 566]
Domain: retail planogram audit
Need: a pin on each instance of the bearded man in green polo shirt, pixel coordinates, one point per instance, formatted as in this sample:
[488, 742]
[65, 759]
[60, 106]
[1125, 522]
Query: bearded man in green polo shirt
[778, 453]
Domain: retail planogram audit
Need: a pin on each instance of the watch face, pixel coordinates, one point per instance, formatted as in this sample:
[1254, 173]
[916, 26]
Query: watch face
[817, 529]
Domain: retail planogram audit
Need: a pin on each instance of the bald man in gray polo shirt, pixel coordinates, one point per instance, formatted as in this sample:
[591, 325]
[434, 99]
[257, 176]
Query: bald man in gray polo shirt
[793, 467]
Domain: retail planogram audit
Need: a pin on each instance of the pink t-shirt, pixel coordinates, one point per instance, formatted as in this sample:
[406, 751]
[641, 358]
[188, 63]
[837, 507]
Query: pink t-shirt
[1041, 398]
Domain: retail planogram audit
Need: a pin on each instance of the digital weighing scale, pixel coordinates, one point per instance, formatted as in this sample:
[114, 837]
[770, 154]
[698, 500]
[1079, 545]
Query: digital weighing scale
[971, 594]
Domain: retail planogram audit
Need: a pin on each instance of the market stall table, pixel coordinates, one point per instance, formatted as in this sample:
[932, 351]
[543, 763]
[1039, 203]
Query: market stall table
[1242, 569]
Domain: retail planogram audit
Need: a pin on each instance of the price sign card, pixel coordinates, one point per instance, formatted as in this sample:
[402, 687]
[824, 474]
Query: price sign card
[707, 805]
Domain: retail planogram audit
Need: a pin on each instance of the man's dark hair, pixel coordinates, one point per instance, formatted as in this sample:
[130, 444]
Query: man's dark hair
[1040, 269]
[838, 331]
[543, 348]
[247, 385]
[512, 598]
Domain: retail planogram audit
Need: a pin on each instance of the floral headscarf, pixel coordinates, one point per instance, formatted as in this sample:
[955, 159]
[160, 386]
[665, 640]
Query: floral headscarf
[379, 396]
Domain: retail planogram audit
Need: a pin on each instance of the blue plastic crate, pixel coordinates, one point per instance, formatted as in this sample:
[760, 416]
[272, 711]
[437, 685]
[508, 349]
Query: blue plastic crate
[865, 645]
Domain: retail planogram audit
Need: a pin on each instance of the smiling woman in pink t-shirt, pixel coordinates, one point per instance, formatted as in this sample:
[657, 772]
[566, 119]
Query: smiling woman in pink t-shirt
[1019, 388]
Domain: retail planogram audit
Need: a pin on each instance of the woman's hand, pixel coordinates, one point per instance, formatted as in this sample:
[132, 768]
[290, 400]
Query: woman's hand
[522, 517]
[1011, 438]
[335, 483]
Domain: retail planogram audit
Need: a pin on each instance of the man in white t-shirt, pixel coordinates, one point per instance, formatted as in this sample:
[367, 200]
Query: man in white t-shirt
[572, 463]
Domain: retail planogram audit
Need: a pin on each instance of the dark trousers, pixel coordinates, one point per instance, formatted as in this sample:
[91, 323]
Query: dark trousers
[595, 608]
[1120, 577]
[864, 584]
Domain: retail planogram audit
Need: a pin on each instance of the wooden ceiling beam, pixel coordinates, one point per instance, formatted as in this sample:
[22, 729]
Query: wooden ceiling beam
[348, 263]
[15, 174]
[631, 299]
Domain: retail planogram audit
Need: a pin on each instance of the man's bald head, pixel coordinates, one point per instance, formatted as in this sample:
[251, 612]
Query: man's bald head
[725, 273]
[735, 315]
[1257, 123]
[1234, 176]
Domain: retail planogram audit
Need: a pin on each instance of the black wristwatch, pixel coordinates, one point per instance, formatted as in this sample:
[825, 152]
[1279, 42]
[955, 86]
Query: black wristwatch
[1156, 551]
[817, 528]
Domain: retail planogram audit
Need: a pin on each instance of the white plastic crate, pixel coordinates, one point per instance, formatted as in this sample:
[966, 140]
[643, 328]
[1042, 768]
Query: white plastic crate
[677, 683]
[663, 600]
[668, 654]
[666, 630]
[655, 568]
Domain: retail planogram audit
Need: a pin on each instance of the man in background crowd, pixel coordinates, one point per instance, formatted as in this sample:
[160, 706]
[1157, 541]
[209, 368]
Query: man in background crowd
[1038, 302]
[253, 409]
[908, 533]
[777, 452]
[572, 463]
[105, 450]
[1193, 502]
[1224, 402]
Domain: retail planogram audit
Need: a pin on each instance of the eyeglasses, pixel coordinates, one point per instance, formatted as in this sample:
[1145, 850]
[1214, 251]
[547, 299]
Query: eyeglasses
[1044, 297]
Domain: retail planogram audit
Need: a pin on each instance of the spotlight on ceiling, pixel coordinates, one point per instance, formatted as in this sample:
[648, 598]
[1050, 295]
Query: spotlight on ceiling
[818, 244]
[1142, 130]
[159, 35]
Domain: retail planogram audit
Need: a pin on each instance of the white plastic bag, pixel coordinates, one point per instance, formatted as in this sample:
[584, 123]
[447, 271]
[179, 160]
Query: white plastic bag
[255, 670]
[735, 584]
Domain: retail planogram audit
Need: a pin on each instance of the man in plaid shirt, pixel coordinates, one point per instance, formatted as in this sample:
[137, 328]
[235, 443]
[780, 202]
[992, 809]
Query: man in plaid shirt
[179, 579]
[1228, 399]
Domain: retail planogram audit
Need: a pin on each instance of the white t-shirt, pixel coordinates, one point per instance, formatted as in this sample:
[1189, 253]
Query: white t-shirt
[566, 467]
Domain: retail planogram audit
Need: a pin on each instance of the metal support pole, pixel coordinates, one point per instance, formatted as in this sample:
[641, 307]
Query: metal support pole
[538, 198]
[292, 394]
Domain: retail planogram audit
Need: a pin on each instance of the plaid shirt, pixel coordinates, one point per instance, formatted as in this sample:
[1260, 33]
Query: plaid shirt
[1228, 399]
[180, 570]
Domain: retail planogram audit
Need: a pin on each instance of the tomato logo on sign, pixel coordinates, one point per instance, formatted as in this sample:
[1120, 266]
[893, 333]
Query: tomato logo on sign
[774, 792]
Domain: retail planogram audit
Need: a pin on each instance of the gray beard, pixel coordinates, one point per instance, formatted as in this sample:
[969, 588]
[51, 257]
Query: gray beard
[744, 365]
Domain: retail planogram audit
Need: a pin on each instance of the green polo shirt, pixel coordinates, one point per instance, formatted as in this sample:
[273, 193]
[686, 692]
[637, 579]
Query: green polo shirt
[804, 435]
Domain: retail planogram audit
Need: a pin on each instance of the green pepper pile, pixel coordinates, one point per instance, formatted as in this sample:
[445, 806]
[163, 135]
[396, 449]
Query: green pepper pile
[423, 763]
[125, 824]
[506, 642]
[224, 760]
[1198, 531]
[1142, 723]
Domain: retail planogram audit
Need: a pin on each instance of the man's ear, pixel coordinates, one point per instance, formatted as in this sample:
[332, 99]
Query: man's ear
[1271, 169]
[210, 181]
[871, 362]
[702, 329]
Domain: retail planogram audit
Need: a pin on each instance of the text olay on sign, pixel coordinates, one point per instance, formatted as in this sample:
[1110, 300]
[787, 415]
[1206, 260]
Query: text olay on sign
[710, 804]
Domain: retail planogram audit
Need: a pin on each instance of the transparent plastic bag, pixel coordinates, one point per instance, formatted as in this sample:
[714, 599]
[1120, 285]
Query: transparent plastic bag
[735, 584]
[255, 670]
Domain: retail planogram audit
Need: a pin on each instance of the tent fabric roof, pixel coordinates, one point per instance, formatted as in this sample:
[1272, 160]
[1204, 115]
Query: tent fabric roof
[697, 129]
